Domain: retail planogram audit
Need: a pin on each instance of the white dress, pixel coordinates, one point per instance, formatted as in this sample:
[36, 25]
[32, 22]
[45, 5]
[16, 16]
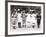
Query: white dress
[34, 20]
[28, 23]
[31, 18]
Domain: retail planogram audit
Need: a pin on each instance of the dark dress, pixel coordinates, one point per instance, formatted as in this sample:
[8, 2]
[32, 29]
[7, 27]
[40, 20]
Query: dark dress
[38, 20]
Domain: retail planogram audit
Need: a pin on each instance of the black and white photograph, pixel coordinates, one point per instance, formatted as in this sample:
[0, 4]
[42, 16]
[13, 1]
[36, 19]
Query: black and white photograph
[25, 18]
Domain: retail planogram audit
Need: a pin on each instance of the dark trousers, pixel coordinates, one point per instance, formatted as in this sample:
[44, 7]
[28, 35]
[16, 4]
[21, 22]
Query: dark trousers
[38, 22]
[19, 24]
